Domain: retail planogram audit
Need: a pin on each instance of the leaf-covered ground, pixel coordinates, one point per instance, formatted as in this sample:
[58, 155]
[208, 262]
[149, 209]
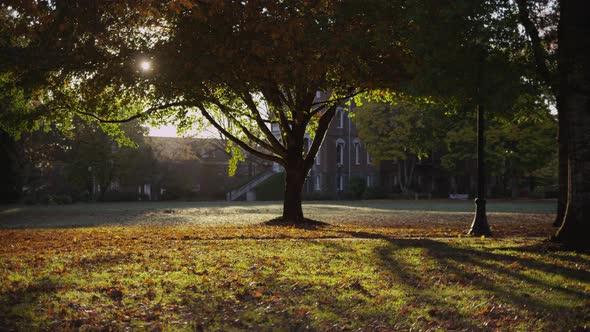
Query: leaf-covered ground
[381, 269]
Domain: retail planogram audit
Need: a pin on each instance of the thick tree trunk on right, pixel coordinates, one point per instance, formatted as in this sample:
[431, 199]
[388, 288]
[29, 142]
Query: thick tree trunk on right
[574, 100]
[562, 169]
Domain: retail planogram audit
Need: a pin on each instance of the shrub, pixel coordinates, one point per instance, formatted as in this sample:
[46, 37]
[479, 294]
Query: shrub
[355, 188]
[374, 192]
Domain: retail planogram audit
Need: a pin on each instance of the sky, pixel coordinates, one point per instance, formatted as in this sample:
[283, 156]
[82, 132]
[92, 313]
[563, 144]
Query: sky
[170, 131]
[164, 131]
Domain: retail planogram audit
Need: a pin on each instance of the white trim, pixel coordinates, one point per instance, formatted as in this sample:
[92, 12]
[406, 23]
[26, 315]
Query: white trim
[340, 144]
[340, 115]
[357, 152]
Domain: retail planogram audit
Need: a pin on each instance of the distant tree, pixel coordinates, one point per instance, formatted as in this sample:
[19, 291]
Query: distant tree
[94, 158]
[517, 146]
[243, 65]
[403, 132]
[471, 56]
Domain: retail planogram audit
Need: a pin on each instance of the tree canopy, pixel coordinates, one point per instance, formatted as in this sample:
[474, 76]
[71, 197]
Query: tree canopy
[241, 65]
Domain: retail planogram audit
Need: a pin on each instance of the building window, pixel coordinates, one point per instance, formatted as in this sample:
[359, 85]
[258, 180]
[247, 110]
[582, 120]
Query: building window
[318, 95]
[340, 153]
[369, 161]
[357, 153]
[340, 115]
[369, 181]
[318, 183]
[340, 183]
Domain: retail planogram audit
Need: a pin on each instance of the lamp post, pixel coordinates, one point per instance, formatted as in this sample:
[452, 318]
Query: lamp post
[480, 224]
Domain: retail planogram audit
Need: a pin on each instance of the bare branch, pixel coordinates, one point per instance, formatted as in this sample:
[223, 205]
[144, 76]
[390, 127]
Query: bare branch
[276, 103]
[228, 113]
[539, 53]
[338, 100]
[236, 140]
[247, 98]
[323, 125]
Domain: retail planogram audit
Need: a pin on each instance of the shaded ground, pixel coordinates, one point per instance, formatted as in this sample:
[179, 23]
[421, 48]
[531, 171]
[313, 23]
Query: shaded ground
[216, 267]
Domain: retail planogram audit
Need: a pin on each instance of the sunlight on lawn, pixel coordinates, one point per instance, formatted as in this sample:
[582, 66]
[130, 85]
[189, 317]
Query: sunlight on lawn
[135, 280]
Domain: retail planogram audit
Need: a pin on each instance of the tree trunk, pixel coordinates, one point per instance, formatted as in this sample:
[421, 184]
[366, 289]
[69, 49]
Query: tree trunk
[294, 180]
[562, 168]
[574, 100]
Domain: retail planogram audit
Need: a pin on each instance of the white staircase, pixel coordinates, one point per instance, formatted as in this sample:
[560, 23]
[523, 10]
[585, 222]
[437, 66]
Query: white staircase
[248, 187]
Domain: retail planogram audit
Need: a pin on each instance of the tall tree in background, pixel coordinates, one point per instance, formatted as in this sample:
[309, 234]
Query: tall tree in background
[467, 49]
[242, 64]
[404, 132]
[539, 19]
[95, 160]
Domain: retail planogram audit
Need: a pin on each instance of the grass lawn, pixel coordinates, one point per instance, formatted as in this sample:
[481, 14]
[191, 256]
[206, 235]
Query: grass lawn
[378, 265]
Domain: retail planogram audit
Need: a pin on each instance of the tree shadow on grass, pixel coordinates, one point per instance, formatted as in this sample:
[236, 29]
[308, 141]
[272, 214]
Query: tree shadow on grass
[308, 224]
[538, 281]
[535, 282]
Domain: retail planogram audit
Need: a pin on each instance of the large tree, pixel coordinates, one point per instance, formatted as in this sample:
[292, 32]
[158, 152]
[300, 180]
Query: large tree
[539, 19]
[574, 101]
[243, 65]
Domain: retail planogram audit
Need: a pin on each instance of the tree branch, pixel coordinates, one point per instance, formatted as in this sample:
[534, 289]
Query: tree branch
[323, 125]
[236, 140]
[539, 53]
[338, 100]
[243, 128]
[277, 109]
[247, 98]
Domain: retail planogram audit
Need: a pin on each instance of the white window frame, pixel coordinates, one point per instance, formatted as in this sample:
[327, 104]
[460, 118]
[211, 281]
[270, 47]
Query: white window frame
[357, 152]
[340, 144]
[340, 114]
